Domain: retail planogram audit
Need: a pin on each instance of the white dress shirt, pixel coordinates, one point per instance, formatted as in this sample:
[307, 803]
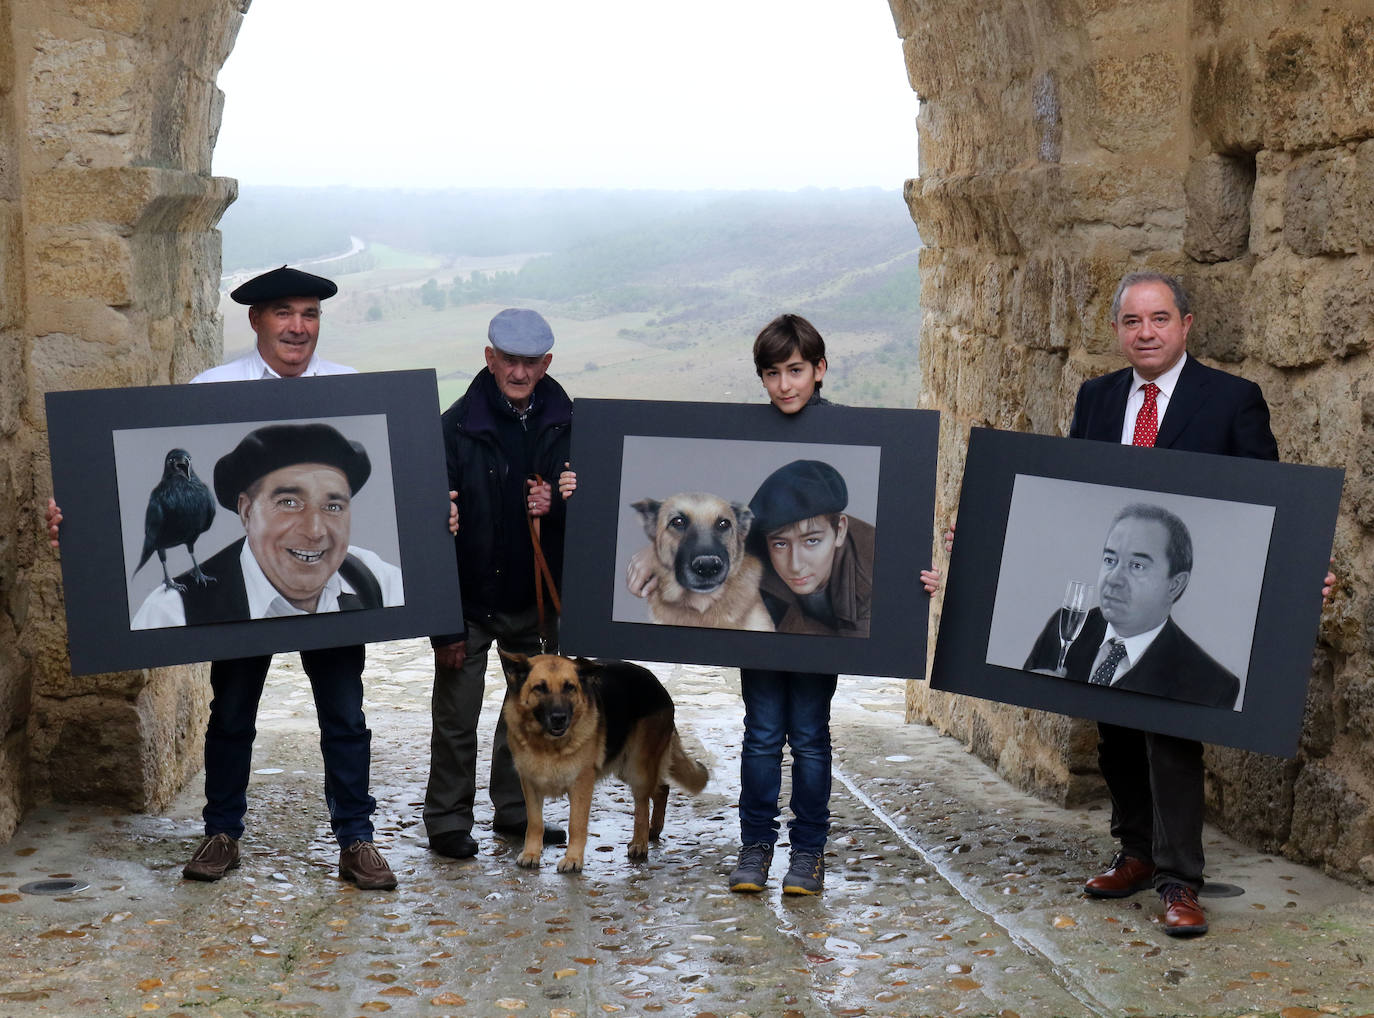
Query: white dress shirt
[163, 608]
[251, 368]
[1135, 646]
[1167, 382]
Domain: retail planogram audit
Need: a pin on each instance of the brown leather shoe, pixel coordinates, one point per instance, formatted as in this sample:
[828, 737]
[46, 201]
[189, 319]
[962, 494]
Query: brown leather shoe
[1183, 916]
[361, 863]
[1126, 876]
[216, 856]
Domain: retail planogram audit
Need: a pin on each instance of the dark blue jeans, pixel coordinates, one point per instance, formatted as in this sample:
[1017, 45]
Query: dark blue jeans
[336, 679]
[790, 707]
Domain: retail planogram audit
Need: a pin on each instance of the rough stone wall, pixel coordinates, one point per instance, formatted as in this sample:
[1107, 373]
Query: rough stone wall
[1064, 142]
[109, 269]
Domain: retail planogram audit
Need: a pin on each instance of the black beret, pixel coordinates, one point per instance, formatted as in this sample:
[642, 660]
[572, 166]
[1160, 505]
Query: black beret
[282, 283]
[798, 491]
[284, 445]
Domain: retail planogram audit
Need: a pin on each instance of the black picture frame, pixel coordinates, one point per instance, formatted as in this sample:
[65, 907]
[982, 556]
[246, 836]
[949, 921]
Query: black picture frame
[1295, 546]
[96, 565]
[905, 443]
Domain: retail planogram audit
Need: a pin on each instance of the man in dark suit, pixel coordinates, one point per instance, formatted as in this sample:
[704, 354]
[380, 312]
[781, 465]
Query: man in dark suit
[1131, 642]
[1167, 399]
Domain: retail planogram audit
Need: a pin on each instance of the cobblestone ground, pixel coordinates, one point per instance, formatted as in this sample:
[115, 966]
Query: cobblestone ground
[947, 893]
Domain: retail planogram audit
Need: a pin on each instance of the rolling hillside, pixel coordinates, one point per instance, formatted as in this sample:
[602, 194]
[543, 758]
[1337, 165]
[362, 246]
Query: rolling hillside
[651, 294]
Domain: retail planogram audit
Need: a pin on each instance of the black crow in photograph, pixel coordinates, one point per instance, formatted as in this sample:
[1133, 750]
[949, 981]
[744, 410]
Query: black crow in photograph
[180, 509]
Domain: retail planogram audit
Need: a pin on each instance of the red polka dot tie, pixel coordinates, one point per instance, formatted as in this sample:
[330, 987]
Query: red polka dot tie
[1147, 421]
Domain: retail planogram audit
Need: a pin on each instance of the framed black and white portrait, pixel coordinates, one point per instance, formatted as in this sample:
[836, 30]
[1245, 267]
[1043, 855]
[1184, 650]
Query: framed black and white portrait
[226, 519]
[733, 534]
[1159, 589]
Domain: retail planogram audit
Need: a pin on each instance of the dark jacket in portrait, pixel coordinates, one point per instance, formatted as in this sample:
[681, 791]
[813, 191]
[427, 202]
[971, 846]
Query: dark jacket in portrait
[490, 454]
[226, 600]
[1173, 665]
[850, 588]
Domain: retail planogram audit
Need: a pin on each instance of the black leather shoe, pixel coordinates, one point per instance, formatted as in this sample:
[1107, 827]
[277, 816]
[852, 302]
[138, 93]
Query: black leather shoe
[454, 844]
[552, 835]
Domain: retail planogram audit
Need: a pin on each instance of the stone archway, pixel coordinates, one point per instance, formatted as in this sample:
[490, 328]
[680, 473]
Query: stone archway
[109, 268]
[1061, 143]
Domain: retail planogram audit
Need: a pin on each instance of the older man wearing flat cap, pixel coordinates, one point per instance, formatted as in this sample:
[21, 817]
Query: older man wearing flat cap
[291, 486]
[284, 312]
[510, 427]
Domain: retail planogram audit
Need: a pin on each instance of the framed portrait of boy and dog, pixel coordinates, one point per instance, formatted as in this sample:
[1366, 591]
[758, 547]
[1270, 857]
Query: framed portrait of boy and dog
[731, 534]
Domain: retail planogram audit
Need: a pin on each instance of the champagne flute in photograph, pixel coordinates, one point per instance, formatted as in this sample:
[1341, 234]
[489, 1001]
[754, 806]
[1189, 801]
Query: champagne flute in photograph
[1073, 612]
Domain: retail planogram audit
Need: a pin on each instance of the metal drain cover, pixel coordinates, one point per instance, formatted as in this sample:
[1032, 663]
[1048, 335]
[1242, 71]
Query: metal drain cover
[54, 887]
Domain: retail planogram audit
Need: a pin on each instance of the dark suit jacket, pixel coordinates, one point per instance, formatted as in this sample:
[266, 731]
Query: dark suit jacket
[1173, 665]
[1209, 411]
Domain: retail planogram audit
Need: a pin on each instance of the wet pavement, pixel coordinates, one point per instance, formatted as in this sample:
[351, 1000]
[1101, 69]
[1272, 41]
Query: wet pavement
[947, 893]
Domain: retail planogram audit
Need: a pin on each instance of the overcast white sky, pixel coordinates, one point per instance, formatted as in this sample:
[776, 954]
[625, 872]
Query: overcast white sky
[552, 93]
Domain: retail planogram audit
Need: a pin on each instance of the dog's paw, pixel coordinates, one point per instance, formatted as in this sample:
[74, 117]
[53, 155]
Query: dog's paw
[570, 864]
[638, 850]
[528, 860]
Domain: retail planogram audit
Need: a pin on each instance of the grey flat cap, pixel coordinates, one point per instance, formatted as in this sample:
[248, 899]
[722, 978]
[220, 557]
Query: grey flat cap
[520, 332]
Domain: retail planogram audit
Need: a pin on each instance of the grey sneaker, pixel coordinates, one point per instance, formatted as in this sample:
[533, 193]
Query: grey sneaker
[751, 871]
[216, 856]
[805, 874]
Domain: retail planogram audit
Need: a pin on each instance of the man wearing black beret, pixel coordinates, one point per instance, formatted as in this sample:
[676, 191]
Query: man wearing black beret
[284, 313]
[291, 486]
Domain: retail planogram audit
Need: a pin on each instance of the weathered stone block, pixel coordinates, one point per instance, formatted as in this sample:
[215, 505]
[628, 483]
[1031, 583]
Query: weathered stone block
[1216, 292]
[83, 748]
[1218, 189]
[1319, 80]
[123, 16]
[1333, 823]
[75, 263]
[115, 195]
[1228, 100]
[11, 266]
[1357, 705]
[1279, 314]
[83, 107]
[1131, 95]
[1328, 207]
[1250, 795]
[14, 800]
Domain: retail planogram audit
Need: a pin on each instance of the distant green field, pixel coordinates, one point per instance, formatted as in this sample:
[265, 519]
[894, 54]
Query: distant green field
[650, 297]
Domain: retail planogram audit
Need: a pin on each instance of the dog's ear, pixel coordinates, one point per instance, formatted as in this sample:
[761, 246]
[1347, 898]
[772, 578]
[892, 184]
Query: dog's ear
[516, 667]
[745, 517]
[588, 671]
[648, 508]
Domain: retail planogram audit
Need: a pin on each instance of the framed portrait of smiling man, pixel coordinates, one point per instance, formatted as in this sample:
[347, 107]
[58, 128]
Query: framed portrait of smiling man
[770, 540]
[1157, 589]
[237, 518]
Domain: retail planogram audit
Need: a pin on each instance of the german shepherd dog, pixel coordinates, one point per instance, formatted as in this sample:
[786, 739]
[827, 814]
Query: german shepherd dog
[706, 577]
[571, 722]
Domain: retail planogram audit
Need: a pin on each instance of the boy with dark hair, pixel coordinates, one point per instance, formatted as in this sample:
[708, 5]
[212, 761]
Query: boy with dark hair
[781, 707]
